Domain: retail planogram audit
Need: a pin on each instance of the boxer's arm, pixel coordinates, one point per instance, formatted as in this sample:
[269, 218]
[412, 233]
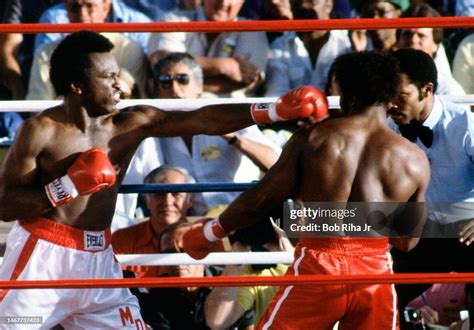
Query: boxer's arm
[219, 119]
[210, 120]
[21, 193]
[280, 183]
[414, 215]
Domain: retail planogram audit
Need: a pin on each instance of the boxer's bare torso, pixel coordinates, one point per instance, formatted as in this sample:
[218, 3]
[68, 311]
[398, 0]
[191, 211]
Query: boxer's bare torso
[48, 144]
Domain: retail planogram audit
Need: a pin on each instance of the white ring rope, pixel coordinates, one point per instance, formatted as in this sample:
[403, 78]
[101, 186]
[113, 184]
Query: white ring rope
[219, 258]
[189, 104]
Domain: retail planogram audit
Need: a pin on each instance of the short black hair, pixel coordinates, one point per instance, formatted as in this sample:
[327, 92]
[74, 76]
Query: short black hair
[70, 59]
[418, 66]
[367, 78]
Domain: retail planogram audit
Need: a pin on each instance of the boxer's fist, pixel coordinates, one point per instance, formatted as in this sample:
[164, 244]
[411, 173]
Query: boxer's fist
[298, 103]
[203, 238]
[90, 172]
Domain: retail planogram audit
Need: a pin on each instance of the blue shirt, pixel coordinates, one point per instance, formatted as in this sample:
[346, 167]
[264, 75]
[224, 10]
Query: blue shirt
[151, 8]
[451, 158]
[9, 123]
[120, 13]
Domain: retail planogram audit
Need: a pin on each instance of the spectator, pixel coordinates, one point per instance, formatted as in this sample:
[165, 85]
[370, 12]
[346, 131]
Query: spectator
[383, 39]
[303, 58]
[129, 54]
[165, 209]
[9, 124]
[464, 8]
[151, 8]
[156, 9]
[430, 40]
[267, 10]
[190, 5]
[231, 61]
[16, 49]
[236, 157]
[463, 65]
[181, 308]
[116, 12]
[441, 303]
[449, 146]
[225, 305]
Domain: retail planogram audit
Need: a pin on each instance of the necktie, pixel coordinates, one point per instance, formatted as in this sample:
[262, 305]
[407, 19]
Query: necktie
[414, 130]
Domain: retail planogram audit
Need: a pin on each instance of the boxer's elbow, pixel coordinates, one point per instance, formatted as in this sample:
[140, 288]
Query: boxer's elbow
[404, 244]
[6, 212]
[3, 205]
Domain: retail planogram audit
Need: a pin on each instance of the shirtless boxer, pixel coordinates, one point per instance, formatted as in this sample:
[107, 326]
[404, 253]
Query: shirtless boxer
[62, 174]
[353, 158]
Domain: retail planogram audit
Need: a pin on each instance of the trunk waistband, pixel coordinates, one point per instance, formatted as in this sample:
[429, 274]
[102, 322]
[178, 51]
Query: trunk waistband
[56, 233]
[347, 245]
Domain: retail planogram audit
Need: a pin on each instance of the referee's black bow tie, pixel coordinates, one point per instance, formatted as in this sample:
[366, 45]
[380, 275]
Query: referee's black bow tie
[413, 130]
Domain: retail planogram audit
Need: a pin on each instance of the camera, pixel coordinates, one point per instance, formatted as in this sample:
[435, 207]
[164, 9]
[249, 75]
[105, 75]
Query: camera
[411, 314]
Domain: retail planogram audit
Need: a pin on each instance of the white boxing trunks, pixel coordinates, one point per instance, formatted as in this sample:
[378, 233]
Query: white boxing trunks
[41, 249]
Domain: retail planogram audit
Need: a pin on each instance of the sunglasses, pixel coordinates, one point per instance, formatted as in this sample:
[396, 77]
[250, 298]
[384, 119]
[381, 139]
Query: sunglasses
[166, 80]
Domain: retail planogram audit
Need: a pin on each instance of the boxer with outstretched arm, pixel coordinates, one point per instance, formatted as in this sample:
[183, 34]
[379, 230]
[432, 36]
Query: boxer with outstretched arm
[61, 177]
[355, 158]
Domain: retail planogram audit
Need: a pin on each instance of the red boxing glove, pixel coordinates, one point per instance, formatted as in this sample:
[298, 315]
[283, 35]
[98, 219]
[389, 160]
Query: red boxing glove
[90, 172]
[298, 103]
[203, 238]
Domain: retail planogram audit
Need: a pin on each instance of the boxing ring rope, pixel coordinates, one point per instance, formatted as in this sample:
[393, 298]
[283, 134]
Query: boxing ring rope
[218, 258]
[189, 104]
[229, 257]
[221, 281]
[185, 187]
[240, 26]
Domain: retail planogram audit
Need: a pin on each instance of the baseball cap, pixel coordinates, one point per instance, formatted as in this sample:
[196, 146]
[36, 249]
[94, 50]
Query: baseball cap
[359, 4]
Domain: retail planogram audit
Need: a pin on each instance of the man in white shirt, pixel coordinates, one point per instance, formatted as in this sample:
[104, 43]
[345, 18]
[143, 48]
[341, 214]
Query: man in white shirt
[233, 62]
[430, 40]
[298, 59]
[237, 157]
[445, 132]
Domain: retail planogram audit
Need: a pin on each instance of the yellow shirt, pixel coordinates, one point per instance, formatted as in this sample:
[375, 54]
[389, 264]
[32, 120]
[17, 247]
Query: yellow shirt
[258, 297]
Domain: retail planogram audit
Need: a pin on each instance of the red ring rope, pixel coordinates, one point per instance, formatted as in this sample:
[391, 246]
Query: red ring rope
[241, 281]
[284, 25]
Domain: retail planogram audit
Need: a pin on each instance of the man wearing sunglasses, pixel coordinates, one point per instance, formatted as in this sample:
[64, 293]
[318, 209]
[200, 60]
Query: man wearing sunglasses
[240, 156]
[233, 62]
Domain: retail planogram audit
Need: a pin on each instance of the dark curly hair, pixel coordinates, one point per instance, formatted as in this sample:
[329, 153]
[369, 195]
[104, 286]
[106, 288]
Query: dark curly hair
[367, 78]
[418, 66]
[70, 59]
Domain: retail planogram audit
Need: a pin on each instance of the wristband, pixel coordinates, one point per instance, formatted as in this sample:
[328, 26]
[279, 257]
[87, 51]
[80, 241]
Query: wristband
[213, 230]
[264, 113]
